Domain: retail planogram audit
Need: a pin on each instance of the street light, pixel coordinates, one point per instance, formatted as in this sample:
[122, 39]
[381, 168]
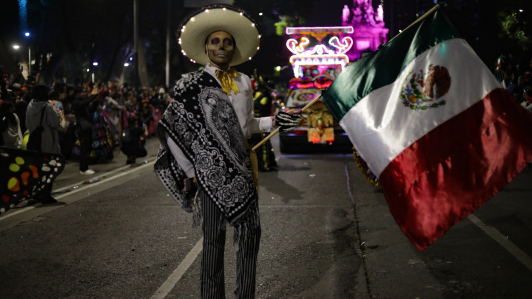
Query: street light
[95, 63]
[260, 13]
[126, 64]
[520, 10]
[16, 47]
[27, 34]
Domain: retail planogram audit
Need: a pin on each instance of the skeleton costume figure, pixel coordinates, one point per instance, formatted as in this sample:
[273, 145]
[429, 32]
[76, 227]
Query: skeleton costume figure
[204, 160]
[262, 106]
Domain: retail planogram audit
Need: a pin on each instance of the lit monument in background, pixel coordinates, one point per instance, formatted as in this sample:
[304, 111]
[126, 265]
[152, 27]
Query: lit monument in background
[326, 51]
[368, 27]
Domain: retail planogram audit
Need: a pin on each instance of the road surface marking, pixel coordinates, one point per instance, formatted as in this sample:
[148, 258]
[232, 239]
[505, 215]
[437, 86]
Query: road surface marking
[103, 175]
[17, 212]
[81, 189]
[105, 180]
[306, 206]
[170, 283]
[501, 239]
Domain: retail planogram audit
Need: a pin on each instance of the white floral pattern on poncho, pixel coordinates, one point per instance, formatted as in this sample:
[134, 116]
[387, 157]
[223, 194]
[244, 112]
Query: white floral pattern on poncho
[203, 123]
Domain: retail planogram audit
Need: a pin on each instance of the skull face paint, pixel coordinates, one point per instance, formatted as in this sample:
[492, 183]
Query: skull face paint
[220, 48]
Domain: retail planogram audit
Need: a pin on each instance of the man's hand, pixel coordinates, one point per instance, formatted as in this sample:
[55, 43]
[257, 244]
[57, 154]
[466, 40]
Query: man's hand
[288, 120]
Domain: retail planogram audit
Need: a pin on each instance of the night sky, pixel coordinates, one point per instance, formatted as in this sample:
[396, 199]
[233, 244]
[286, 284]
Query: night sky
[273, 51]
[325, 13]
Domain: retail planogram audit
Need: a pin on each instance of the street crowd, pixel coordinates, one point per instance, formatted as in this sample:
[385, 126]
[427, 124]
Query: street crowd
[515, 73]
[82, 121]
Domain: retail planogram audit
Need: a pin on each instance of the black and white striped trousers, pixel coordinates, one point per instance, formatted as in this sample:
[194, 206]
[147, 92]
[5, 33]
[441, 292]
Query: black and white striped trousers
[212, 262]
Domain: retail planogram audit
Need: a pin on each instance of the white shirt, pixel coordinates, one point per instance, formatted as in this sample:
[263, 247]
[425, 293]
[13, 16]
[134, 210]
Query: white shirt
[243, 105]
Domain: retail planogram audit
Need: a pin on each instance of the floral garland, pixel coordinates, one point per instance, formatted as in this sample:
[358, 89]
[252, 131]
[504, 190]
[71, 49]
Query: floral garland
[363, 166]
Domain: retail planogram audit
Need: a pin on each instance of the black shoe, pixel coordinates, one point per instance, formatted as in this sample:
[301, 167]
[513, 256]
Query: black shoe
[130, 160]
[48, 200]
[273, 168]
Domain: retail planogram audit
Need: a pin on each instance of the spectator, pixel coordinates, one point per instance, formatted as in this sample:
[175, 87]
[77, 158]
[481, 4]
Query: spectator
[133, 139]
[11, 133]
[4, 76]
[17, 77]
[57, 100]
[67, 102]
[80, 106]
[526, 99]
[109, 102]
[16, 92]
[526, 56]
[121, 98]
[146, 113]
[112, 110]
[51, 122]
[21, 105]
[102, 138]
[31, 82]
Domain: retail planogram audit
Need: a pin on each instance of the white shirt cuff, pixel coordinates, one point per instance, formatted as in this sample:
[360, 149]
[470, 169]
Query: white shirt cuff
[180, 157]
[265, 124]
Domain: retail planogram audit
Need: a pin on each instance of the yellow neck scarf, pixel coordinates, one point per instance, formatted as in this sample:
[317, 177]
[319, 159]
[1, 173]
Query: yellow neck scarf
[228, 83]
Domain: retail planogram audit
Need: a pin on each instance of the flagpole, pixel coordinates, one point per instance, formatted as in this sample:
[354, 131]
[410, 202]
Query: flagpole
[443, 4]
[278, 129]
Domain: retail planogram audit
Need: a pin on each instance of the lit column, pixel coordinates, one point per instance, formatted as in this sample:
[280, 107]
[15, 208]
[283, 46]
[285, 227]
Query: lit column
[135, 41]
[169, 23]
[29, 61]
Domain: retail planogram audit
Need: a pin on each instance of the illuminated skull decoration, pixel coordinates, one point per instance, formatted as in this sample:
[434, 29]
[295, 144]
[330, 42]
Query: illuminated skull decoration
[319, 117]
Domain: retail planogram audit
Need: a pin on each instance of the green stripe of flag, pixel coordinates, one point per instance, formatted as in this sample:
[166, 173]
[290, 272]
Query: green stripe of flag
[384, 66]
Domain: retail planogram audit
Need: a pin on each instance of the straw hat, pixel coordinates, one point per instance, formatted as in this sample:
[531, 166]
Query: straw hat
[197, 26]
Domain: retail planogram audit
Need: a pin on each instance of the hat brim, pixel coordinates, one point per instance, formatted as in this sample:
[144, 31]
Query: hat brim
[195, 29]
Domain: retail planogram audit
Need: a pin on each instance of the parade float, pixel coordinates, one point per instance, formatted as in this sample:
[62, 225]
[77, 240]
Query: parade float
[319, 55]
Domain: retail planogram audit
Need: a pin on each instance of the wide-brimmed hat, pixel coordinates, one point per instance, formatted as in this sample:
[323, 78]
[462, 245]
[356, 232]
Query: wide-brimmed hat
[198, 25]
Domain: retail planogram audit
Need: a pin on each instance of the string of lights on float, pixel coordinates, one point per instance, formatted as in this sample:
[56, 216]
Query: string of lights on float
[319, 54]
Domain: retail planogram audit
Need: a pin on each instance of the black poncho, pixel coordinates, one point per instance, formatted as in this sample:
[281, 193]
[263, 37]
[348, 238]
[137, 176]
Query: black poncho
[203, 123]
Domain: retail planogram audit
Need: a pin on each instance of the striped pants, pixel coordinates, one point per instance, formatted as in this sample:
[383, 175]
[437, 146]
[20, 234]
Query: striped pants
[212, 262]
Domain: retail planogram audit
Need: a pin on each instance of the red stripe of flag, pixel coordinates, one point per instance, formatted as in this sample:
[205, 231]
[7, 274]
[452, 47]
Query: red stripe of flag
[457, 167]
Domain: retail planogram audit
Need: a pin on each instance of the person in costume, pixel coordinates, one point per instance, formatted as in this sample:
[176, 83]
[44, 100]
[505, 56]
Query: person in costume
[102, 139]
[204, 158]
[43, 113]
[11, 132]
[133, 140]
[262, 107]
[80, 107]
[146, 113]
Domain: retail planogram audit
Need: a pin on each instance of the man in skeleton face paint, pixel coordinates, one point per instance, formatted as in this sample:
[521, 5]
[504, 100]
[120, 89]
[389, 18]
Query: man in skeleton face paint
[220, 47]
[204, 160]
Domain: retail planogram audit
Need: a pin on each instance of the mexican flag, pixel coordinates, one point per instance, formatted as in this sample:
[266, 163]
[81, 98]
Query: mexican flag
[433, 124]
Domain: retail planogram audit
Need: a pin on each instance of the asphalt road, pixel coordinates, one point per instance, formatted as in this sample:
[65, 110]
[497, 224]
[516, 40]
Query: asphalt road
[124, 237]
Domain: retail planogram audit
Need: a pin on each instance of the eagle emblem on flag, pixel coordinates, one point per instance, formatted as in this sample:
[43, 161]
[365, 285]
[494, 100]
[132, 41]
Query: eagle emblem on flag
[424, 90]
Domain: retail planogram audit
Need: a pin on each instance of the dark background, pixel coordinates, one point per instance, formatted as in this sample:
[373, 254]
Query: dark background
[78, 32]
